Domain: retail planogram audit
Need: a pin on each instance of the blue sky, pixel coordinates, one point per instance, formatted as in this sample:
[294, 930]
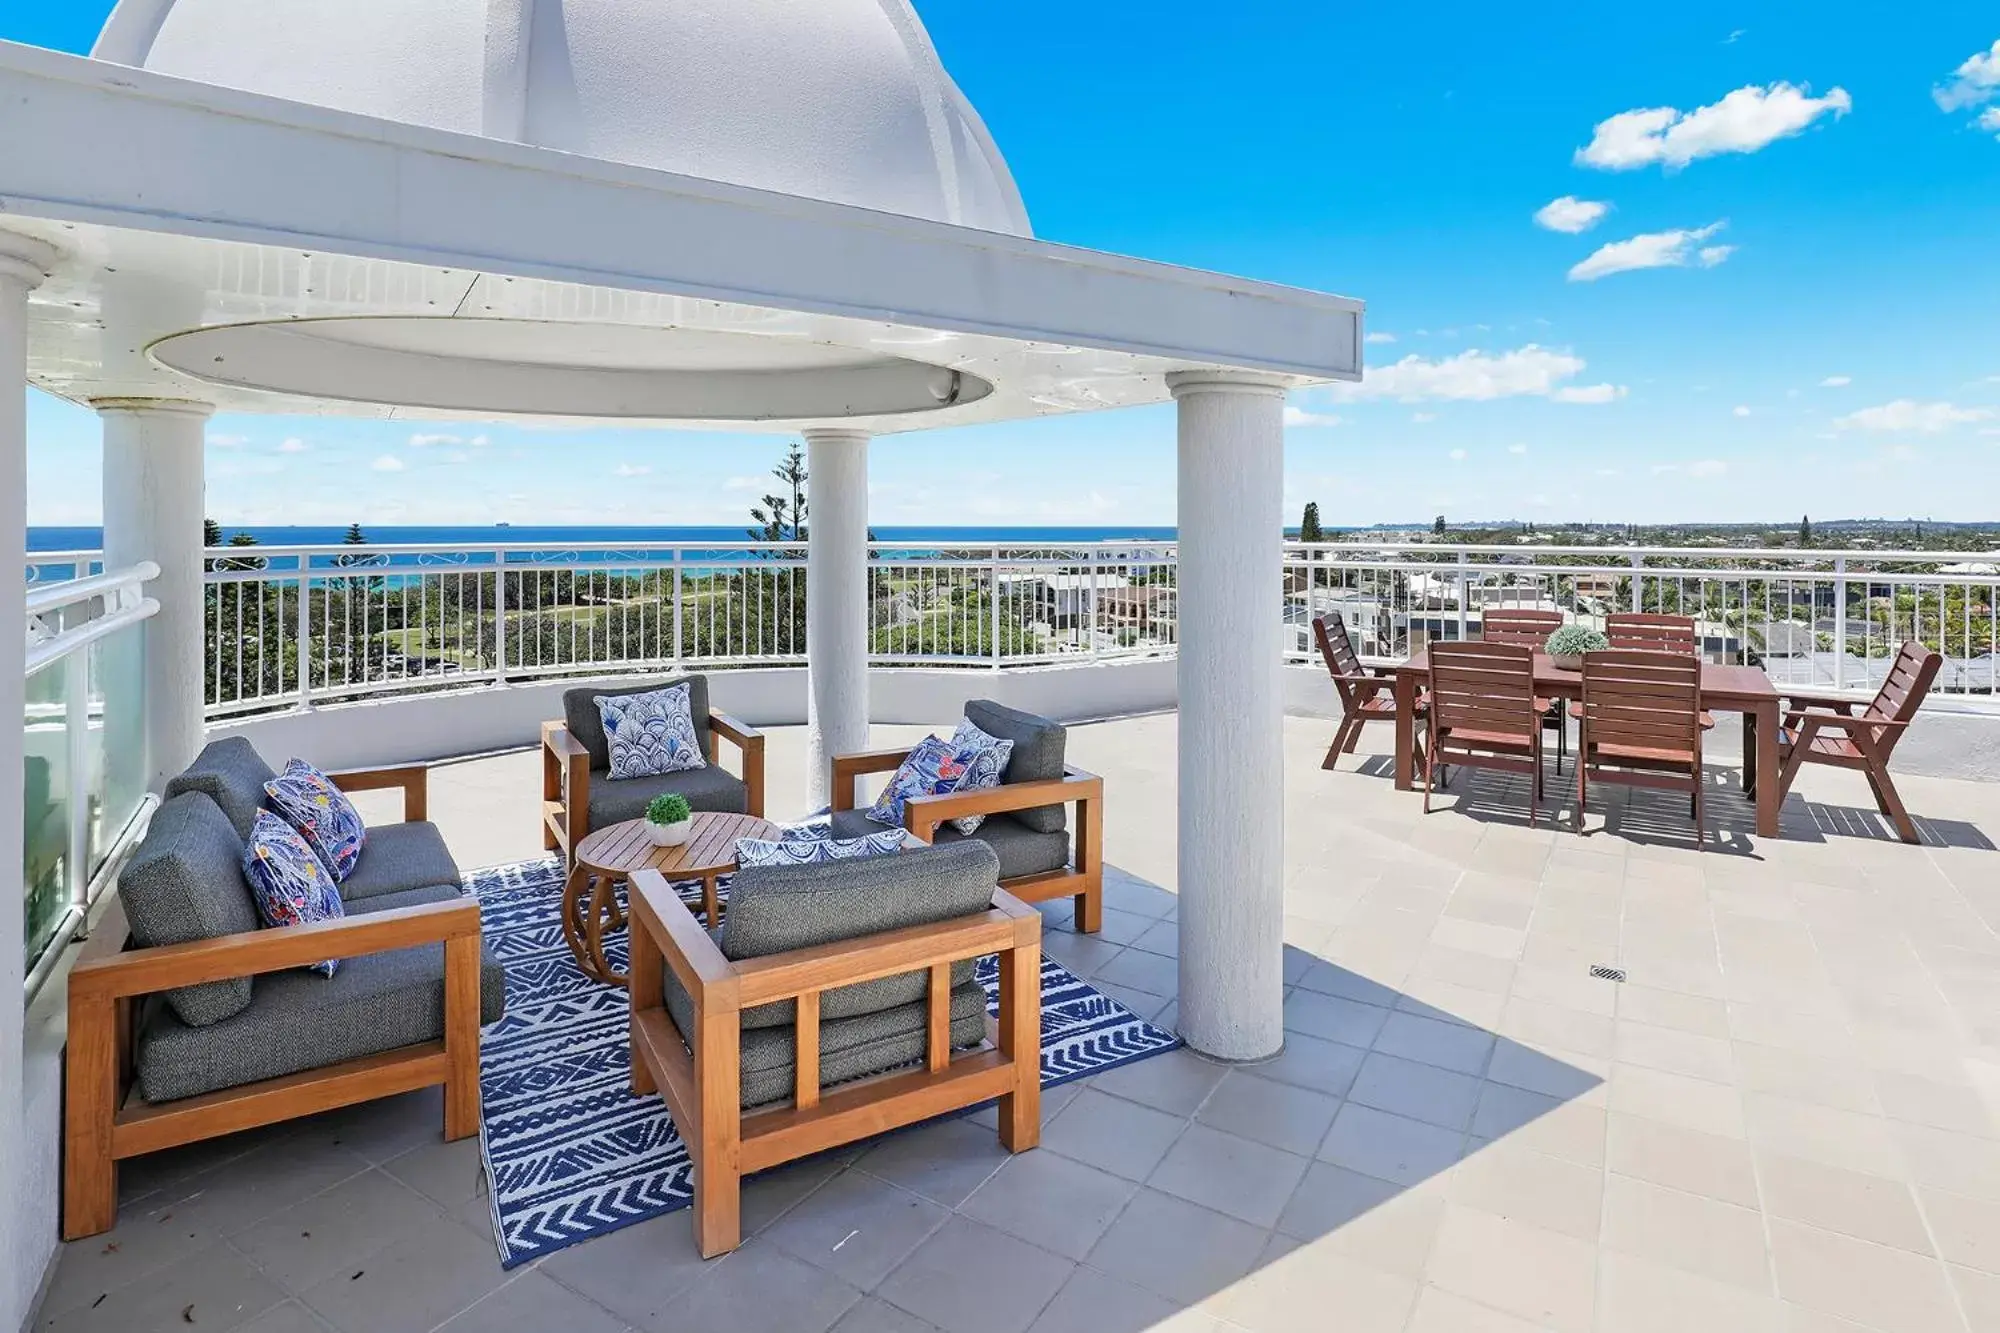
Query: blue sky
[1786, 303]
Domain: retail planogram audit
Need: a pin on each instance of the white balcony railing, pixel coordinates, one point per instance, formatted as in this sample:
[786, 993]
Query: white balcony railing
[300, 626]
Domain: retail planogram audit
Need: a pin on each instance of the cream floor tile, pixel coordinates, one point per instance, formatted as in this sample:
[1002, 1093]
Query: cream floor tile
[1882, 1288]
[1639, 1295]
[1514, 1182]
[1692, 1103]
[1706, 1237]
[1849, 1202]
[1538, 1275]
[1712, 1165]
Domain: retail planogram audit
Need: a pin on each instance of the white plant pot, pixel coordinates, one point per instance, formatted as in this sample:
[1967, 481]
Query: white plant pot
[669, 835]
[1567, 661]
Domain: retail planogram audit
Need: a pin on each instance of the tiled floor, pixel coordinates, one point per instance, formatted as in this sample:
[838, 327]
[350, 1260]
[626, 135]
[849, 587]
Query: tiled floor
[1786, 1117]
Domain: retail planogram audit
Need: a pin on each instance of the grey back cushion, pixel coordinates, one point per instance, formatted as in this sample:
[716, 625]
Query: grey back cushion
[775, 909]
[186, 883]
[231, 773]
[1037, 756]
[586, 724]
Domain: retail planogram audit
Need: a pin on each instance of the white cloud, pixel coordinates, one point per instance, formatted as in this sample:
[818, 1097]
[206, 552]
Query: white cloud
[1570, 214]
[1989, 120]
[1457, 455]
[1517, 448]
[745, 483]
[479, 441]
[1740, 410]
[1975, 82]
[1470, 376]
[1610, 472]
[1746, 120]
[1423, 418]
[294, 445]
[1836, 381]
[389, 463]
[1378, 337]
[421, 441]
[1591, 393]
[1656, 249]
[630, 470]
[1298, 416]
[228, 441]
[1707, 467]
[1908, 415]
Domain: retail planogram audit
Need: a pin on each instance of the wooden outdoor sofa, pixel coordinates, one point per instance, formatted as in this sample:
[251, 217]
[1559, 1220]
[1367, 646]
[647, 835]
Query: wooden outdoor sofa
[1025, 821]
[579, 794]
[837, 1001]
[213, 1026]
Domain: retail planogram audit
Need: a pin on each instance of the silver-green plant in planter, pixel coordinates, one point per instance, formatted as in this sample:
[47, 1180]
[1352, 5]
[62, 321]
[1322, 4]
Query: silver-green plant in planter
[1567, 645]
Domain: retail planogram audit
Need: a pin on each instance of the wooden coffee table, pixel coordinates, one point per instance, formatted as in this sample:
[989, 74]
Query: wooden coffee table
[608, 855]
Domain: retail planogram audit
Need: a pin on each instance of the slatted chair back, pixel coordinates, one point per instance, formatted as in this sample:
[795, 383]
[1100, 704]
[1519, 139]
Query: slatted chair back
[1648, 632]
[1641, 700]
[1903, 691]
[1483, 688]
[1336, 649]
[1520, 626]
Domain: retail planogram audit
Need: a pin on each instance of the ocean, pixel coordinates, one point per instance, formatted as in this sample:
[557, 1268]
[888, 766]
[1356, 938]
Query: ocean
[723, 535]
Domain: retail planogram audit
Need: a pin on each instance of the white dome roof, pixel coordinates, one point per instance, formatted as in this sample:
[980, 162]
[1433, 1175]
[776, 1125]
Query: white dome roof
[843, 100]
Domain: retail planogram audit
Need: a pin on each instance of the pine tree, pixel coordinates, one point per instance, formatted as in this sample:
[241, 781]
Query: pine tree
[1437, 528]
[355, 536]
[1309, 529]
[782, 518]
[1805, 531]
[211, 533]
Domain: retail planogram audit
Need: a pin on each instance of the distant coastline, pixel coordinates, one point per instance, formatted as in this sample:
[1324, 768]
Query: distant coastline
[92, 538]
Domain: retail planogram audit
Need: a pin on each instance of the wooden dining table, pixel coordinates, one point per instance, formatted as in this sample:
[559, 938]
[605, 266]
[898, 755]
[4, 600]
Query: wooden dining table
[1724, 689]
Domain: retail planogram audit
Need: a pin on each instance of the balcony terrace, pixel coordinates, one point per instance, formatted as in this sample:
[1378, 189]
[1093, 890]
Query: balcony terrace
[1782, 1118]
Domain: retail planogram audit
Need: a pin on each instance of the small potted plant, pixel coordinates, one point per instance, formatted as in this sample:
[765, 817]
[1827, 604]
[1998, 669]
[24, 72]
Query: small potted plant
[669, 820]
[1568, 645]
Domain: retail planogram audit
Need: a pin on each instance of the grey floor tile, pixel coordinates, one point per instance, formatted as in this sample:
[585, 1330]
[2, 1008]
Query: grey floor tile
[449, 1173]
[760, 1289]
[1051, 1201]
[1389, 1147]
[336, 1231]
[1329, 1197]
[949, 1280]
[412, 1288]
[1278, 1114]
[1136, 969]
[857, 1227]
[1450, 1045]
[1334, 1019]
[531, 1303]
[1177, 1249]
[291, 1317]
[768, 1195]
[258, 1184]
[214, 1289]
[943, 1162]
[1112, 1134]
[143, 1243]
[872, 1314]
[1311, 1062]
[639, 1273]
[1419, 1091]
[1094, 1302]
[1247, 1180]
[1177, 1082]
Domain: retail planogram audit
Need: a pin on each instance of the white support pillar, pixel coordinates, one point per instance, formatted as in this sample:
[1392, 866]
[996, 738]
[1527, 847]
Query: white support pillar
[836, 602]
[153, 510]
[1232, 782]
[27, 1236]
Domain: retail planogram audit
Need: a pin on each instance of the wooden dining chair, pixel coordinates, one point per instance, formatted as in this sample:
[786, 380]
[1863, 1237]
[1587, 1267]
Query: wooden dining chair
[1825, 729]
[1640, 724]
[1529, 628]
[1484, 713]
[1366, 694]
[1647, 631]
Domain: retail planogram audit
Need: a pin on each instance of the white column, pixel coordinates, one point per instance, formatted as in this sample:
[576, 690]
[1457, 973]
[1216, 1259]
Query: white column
[836, 601]
[25, 1236]
[1232, 783]
[153, 510]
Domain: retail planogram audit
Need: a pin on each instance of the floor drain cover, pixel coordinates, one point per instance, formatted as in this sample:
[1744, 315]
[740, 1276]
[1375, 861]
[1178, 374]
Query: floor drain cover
[1603, 973]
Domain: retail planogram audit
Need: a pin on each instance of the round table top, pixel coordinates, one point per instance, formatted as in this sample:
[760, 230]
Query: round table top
[710, 849]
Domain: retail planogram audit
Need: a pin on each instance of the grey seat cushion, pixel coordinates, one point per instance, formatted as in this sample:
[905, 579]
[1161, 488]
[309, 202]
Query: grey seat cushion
[712, 788]
[185, 882]
[586, 724]
[1022, 850]
[299, 1020]
[871, 1026]
[1037, 756]
[399, 857]
[231, 773]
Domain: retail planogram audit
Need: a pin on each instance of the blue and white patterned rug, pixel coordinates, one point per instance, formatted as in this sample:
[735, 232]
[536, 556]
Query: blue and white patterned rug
[570, 1152]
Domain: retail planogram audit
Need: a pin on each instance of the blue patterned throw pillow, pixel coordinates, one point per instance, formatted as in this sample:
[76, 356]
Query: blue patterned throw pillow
[985, 759]
[817, 851]
[286, 878]
[651, 733]
[933, 768]
[311, 803]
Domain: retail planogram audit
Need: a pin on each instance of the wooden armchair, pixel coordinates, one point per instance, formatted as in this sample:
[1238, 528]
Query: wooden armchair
[1826, 729]
[699, 1067]
[1079, 876]
[1485, 714]
[106, 1121]
[578, 794]
[1640, 725]
[1367, 694]
[1528, 627]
